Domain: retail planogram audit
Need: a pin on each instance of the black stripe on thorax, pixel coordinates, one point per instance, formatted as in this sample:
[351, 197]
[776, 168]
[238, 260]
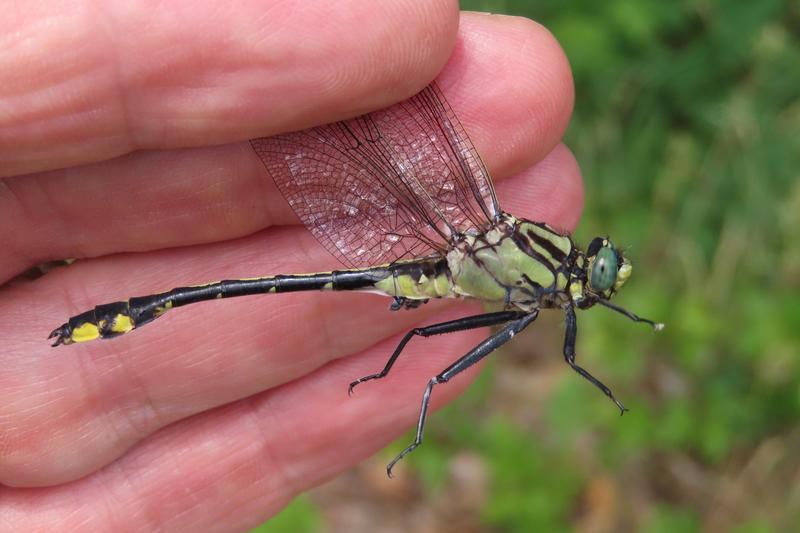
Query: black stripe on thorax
[522, 242]
[551, 248]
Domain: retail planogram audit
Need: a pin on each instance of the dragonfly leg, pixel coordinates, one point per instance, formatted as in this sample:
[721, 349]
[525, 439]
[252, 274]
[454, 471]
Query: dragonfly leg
[401, 302]
[461, 324]
[569, 356]
[480, 351]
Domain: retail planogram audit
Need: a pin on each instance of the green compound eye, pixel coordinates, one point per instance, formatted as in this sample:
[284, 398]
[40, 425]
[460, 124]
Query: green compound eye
[604, 269]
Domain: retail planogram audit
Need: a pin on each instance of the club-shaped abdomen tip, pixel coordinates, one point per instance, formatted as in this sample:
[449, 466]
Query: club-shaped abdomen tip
[60, 334]
[658, 326]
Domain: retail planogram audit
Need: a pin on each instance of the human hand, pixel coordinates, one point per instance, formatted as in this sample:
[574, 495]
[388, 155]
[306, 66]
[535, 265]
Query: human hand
[221, 413]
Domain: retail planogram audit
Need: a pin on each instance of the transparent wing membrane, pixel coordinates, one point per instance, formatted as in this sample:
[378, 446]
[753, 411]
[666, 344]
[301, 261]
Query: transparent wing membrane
[397, 183]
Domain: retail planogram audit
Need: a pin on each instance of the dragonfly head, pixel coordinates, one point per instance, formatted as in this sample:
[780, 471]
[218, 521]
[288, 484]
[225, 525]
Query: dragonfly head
[606, 268]
[606, 271]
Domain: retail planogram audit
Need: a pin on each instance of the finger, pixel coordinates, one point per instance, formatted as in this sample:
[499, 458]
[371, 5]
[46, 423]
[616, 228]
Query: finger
[521, 84]
[551, 192]
[241, 463]
[513, 111]
[110, 394]
[87, 87]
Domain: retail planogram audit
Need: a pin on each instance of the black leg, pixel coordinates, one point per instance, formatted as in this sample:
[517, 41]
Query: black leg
[569, 356]
[461, 324]
[658, 326]
[401, 302]
[473, 356]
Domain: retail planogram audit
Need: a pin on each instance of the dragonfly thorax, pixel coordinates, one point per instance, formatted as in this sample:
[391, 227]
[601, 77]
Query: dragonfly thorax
[523, 264]
[527, 265]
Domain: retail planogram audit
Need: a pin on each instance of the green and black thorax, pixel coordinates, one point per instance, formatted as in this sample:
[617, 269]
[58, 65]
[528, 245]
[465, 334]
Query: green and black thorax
[528, 265]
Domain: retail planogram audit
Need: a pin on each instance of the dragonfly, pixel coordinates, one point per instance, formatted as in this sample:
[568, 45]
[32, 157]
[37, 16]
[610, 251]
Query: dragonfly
[403, 200]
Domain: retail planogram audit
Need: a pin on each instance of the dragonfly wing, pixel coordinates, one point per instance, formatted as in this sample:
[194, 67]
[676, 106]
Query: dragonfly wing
[397, 183]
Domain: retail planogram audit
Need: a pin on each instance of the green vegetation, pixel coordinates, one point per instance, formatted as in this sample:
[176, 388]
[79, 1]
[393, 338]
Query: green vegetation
[687, 128]
[300, 516]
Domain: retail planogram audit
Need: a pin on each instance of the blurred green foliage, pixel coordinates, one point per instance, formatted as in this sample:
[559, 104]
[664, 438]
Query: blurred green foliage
[687, 129]
[300, 516]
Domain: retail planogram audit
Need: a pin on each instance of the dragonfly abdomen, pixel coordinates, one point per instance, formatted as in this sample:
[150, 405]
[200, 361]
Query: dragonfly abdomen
[418, 279]
[415, 280]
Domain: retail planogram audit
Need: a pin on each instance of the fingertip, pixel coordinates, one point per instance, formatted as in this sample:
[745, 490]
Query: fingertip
[525, 85]
[412, 56]
[550, 191]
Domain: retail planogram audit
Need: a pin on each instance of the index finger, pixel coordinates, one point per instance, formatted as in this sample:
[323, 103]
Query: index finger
[514, 104]
[83, 85]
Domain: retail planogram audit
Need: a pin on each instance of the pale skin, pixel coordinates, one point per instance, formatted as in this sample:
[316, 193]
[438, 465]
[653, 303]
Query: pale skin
[219, 414]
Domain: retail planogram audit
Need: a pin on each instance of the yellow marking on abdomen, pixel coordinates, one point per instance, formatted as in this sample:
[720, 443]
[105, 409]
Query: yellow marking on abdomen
[122, 324]
[85, 332]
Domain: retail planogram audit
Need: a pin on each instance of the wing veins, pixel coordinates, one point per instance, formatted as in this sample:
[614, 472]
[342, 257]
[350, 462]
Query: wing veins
[385, 185]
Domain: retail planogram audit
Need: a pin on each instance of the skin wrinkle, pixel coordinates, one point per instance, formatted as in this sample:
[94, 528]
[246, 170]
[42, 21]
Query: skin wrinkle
[264, 473]
[262, 478]
[132, 475]
[106, 415]
[163, 517]
[84, 368]
[258, 180]
[252, 409]
[82, 520]
[123, 107]
[265, 403]
[45, 398]
[396, 79]
[156, 518]
[222, 479]
[269, 357]
[322, 329]
[143, 416]
[205, 186]
[552, 104]
[53, 209]
[110, 487]
[364, 71]
[7, 235]
[42, 74]
[565, 194]
[323, 351]
[53, 99]
[81, 360]
[534, 117]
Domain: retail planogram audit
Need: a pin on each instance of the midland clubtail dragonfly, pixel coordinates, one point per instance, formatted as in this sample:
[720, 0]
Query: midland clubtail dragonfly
[401, 197]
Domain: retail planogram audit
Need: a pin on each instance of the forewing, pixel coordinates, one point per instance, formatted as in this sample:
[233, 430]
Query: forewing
[397, 183]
